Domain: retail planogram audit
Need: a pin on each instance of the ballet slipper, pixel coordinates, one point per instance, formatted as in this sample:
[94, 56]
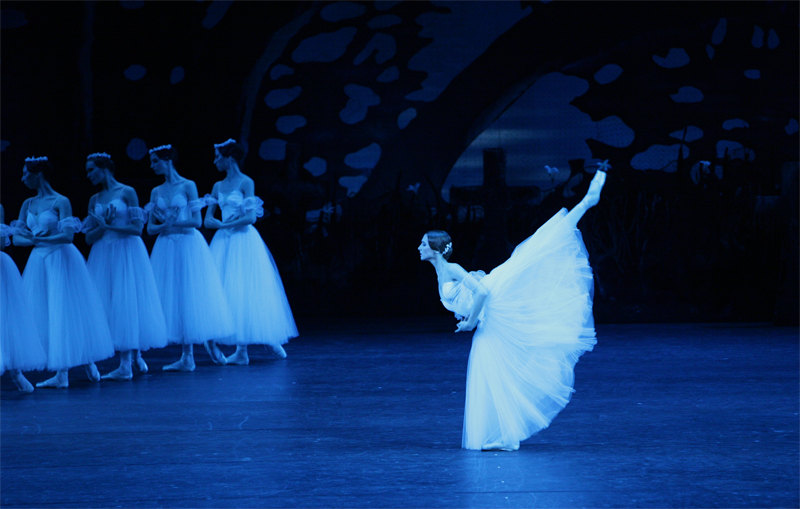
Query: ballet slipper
[592, 197]
[141, 365]
[185, 364]
[590, 200]
[279, 351]
[499, 446]
[60, 381]
[21, 382]
[215, 353]
[238, 358]
[119, 375]
[91, 372]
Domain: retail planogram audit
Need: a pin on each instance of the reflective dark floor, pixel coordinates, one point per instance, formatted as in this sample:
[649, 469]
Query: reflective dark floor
[369, 414]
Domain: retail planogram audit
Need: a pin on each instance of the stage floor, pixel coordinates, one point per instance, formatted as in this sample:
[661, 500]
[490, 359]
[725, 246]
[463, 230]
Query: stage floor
[369, 414]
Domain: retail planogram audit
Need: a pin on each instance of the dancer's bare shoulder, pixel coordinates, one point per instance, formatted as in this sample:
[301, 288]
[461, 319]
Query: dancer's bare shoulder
[456, 272]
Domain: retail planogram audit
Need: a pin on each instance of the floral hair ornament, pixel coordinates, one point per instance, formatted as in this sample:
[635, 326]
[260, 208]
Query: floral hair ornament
[98, 155]
[225, 143]
[35, 159]
[447, 249]
[162, 147]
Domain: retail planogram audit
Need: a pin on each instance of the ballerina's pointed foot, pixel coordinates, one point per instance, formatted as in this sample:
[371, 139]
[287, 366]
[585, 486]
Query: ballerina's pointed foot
[238, 359]
[595, 187]
[92, 373]
[141, 365]
[185, 364]
[119, 375]
[22, 383]
[279, 351]
[57, 382]
[215, 353]
[499, 446]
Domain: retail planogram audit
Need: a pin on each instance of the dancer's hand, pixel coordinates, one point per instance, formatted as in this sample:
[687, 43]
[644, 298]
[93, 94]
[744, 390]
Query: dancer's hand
[110, 214]
[158, 214]
[169, 217]
[213, 222]
[465, 325]
[100, 220]
[25, 234]
[39, 238]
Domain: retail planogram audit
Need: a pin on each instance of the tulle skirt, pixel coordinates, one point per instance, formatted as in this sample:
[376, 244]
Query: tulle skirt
[537, 322]
[258, 304]
[123, 276]
[20, 342]
[71, 320]
[190, 290]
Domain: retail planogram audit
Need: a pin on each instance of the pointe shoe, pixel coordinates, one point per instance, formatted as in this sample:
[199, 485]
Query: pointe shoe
[181, 365]
[279, 351]
[215, 353]
[22, 383]
[92, 373]
[57, 382]
[238, 359]
[593, 194]
[141, 365]
[119, 375]
[498, 446]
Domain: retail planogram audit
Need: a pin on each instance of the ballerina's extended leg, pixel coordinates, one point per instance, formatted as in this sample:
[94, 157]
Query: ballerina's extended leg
[186, 363]
[60, 381]
[239, 357]
[123, 372]
[590, 200]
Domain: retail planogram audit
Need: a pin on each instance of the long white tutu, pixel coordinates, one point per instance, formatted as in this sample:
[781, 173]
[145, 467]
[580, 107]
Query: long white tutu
[20, 342]
[191, 292]
[123, 276]
[537, 322]
[71, 321]
[256, 298]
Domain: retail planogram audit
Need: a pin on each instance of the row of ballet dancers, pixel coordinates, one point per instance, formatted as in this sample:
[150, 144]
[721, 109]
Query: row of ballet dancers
[64, 311]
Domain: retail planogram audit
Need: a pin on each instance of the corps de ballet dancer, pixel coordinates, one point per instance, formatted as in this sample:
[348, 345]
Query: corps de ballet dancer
[191, 292]
[533, 315]
[253, 287]
[71, 320]
[120, 268]
[20, 345]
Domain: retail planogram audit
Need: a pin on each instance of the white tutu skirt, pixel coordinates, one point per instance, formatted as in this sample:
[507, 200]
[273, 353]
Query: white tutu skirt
[191, 293]
[20, 343]
[123, 276]
[70, 318]
[536, 323]
[258, 303]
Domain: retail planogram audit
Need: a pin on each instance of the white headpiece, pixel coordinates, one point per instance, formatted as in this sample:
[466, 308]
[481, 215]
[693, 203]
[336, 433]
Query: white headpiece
[35, 159]
[162, 147]
[224, 143]
[447, 249]
[98, 154]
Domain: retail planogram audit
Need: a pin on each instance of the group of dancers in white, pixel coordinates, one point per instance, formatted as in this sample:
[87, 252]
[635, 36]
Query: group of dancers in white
[64, 311]
[533, 313]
